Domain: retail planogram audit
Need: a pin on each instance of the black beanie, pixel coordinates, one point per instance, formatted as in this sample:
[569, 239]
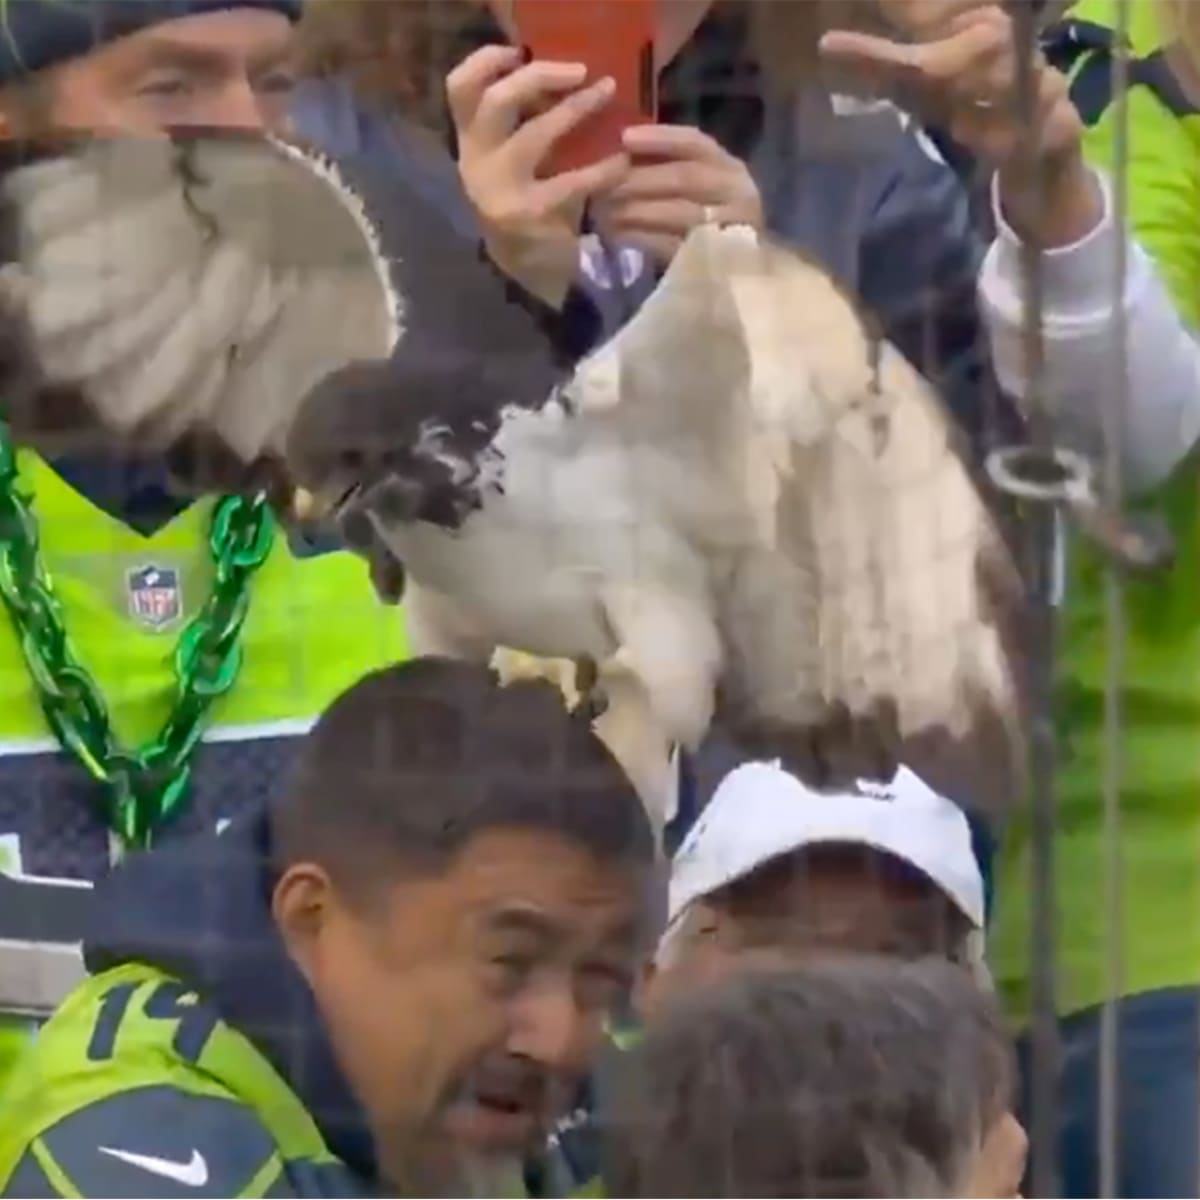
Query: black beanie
[35, 34]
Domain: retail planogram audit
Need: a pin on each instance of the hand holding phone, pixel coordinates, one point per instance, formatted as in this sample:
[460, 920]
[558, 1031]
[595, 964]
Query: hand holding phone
[530, 220]
[613, 38]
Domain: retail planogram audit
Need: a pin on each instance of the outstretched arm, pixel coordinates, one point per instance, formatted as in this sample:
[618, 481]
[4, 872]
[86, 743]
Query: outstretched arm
[965, 61]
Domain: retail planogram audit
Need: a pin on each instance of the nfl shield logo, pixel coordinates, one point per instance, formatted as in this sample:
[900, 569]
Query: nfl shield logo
[155, 599]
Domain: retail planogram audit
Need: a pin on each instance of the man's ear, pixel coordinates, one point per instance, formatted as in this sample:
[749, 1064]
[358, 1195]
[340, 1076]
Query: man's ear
[302, 904]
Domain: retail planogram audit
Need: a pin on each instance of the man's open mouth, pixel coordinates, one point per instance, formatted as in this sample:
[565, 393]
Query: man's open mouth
[516, 1104]
[501, 1118]
[502, 1102]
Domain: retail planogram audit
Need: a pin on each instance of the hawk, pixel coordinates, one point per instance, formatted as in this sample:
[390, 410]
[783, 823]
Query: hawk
[745, 509]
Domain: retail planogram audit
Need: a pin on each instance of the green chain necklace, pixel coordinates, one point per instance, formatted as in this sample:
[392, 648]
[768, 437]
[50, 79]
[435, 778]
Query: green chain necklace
[141, 789]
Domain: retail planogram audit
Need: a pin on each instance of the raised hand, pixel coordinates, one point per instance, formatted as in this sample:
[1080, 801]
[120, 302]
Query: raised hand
[508, 116]
[963, 73]
[680, 178]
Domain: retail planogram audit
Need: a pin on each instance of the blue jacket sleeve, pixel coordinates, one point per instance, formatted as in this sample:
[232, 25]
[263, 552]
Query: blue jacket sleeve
[920, 265]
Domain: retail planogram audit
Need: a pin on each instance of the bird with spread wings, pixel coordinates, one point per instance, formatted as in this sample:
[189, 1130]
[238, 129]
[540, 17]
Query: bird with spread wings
[743, 510]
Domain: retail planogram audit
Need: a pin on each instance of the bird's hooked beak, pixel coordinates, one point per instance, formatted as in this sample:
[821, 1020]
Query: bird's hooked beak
[312, 509]
[306, 508]
[326, 509]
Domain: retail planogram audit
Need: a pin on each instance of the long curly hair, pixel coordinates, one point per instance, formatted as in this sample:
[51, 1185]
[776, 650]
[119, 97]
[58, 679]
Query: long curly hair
[397, 53]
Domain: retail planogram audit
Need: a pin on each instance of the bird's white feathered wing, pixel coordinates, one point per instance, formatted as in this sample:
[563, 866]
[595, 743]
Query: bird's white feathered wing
[857, 574]
[190, 285]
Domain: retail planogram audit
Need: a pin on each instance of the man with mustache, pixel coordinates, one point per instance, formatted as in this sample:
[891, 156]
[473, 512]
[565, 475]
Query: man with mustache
[395, 979]
[109, 571]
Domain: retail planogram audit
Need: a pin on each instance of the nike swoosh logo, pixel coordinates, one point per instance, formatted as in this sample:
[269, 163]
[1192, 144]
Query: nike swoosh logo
[190, 1174]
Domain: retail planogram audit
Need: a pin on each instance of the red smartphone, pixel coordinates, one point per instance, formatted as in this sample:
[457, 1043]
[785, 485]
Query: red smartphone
[612, 37]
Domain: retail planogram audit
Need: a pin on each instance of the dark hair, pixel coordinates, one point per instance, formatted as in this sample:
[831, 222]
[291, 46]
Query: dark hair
[844, 1076]
[413, 761]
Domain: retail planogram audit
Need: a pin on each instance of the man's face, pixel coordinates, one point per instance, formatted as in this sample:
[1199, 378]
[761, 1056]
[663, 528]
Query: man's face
[226, 69]
[830, 898]
[466, 1008]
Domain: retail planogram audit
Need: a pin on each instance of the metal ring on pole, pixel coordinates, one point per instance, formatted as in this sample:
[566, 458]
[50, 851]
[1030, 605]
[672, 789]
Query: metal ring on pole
[1138, 544]
[1042, 474]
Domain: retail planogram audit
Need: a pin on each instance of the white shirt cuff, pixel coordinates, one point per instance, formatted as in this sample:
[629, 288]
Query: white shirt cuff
[1161, 412]
[1078, 280]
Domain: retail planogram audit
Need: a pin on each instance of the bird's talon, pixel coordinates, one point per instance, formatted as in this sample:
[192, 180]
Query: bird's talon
[592, 703]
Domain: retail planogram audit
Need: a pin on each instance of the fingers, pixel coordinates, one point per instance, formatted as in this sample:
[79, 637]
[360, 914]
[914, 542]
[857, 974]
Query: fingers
[581, 184]
[953, 65]
[658, 227]
[658, 203]
[922, 19]
[531, 143]
[969, 77]
[702, 182]
[508, 115]
[507, 101]
[676, 217]
[661, 247]
[673, 141]
[468, 81]
[1055, 126]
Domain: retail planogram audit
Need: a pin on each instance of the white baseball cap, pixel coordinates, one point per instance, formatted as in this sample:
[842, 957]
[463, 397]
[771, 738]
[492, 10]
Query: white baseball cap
[761, 812]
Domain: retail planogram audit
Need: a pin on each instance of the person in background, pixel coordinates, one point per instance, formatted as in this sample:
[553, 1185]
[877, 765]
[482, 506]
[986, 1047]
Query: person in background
[1146, 411]
[179, 647]
[748, 133]
[1153, 417]
[840, 1076]
[772, 866]
[887, 868]
[388, 983]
